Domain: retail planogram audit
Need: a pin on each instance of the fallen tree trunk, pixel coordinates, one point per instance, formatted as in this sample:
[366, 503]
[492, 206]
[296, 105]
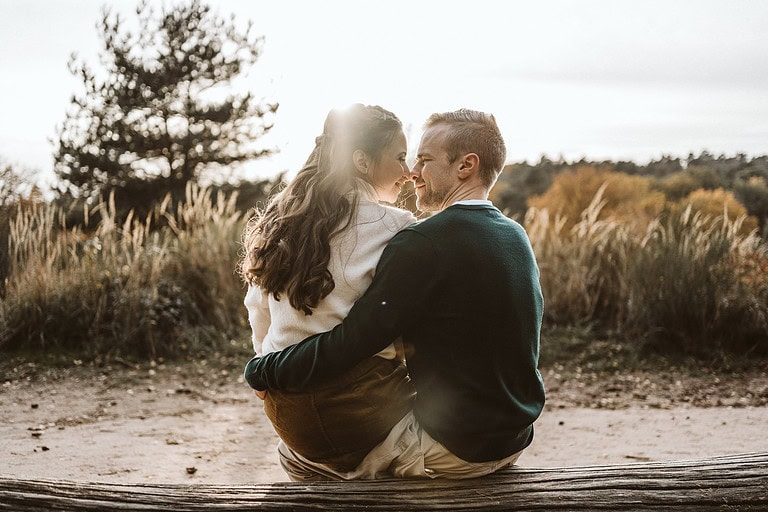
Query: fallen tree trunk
[738, 482]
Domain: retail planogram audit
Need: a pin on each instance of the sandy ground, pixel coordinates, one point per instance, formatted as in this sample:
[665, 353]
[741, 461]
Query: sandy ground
[177, 424]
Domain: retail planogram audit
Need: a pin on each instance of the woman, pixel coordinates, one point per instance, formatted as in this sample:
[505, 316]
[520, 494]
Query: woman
[309, 255]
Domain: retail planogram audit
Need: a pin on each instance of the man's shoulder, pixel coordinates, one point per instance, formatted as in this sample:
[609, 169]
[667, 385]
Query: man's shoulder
[455, 224]
[460, 214]
[434, 230]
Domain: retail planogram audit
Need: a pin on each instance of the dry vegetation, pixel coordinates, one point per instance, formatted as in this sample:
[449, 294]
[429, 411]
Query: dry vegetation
[148, 287]
[692, 286]
[682, 282]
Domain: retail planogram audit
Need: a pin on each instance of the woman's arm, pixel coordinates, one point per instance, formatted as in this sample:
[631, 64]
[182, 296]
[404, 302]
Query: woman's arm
[257, 303]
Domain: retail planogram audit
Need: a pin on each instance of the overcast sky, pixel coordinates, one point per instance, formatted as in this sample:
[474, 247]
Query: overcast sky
[600, 79]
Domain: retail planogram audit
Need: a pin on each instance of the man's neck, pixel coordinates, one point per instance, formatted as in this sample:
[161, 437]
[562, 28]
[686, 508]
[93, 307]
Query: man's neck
[476, 192]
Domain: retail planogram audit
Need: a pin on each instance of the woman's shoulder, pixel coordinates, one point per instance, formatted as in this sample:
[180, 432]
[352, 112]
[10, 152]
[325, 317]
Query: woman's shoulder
[392, 217]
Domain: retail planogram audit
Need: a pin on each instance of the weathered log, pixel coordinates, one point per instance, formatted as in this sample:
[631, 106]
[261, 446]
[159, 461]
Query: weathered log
[738, 482]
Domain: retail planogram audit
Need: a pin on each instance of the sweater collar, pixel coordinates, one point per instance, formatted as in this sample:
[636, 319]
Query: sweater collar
[474, 202]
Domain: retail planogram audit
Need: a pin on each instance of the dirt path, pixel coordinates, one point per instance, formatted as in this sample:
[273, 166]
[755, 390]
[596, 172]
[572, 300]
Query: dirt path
[199, 423]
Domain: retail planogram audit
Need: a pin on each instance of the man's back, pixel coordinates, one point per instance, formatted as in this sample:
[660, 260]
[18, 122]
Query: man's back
[473, 347]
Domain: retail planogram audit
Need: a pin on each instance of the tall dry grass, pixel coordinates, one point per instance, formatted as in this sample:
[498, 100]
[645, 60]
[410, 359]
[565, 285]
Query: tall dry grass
[165, 284]
[690, 283]
[583, 270]
[145, 287]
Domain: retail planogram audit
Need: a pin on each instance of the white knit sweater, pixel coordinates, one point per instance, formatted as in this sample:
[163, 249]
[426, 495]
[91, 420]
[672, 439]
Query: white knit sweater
[355, 253]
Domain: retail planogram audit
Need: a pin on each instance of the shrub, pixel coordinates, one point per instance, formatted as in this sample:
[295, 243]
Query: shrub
[127, 288]
[753, 194]
[691, 284]
[714, 204]
[693, 287]
[628, 199]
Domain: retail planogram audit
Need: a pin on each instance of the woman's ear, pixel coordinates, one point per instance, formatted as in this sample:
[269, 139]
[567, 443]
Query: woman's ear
[360, 159]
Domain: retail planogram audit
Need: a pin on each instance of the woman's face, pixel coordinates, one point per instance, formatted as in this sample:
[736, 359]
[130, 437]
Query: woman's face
[390, 173]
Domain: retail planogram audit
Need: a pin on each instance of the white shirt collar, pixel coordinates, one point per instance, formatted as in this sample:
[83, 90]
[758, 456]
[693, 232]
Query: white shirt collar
[475, 202]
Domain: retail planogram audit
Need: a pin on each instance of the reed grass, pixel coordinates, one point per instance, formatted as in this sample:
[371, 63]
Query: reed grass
[691, 284]
[166, 284]
[584, 270]
[147, 287]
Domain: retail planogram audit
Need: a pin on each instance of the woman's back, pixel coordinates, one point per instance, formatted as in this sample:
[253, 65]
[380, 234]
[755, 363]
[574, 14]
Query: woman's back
[294, 252]
[355, 253]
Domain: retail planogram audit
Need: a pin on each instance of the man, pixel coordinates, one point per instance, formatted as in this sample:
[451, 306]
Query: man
[461, 289]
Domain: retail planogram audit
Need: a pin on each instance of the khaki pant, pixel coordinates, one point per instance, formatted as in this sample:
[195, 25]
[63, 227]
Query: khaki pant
[407, 452]
[337, 424]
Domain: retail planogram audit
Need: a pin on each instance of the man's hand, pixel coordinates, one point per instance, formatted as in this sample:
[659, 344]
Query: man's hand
[260, 394]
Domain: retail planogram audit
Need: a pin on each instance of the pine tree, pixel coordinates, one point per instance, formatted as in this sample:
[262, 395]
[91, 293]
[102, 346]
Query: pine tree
[161, 112]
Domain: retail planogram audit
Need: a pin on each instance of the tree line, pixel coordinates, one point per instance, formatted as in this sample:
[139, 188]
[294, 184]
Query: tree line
[676, 178]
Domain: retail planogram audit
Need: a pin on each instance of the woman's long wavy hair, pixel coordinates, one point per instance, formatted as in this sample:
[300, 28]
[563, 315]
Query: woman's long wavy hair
[287, 244]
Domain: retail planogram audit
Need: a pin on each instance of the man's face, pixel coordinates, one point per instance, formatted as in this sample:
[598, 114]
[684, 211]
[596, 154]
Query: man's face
[433, 176]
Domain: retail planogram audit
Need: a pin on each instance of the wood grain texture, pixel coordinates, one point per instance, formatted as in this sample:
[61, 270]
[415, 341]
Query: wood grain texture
[738, 482]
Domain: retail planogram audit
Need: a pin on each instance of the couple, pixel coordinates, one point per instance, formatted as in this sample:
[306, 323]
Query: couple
[429, 368]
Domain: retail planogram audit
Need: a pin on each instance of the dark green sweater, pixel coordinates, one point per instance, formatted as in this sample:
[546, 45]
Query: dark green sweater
[462, 289]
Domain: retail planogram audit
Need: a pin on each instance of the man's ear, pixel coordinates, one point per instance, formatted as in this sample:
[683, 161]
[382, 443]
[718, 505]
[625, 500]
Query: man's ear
[469, 165]
[360, 159]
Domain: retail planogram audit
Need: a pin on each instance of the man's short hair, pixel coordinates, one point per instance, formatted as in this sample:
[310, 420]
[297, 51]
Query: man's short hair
[472, 131]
